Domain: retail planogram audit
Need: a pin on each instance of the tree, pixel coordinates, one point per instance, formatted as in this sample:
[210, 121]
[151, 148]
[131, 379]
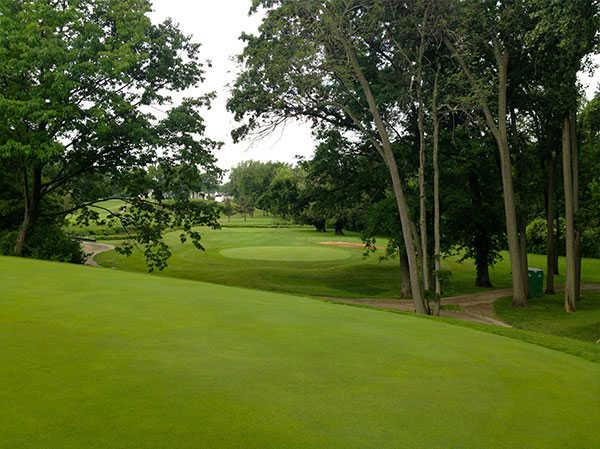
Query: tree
[228, 208]
[319, 68]
[382, 220]
[249, 181]
[472, 221]
[340, 179]
[78, 82]
[563, 35]
[482, 37]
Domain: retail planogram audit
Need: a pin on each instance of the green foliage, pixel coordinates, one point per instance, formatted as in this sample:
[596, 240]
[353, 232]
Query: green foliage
[537, 234]
[285, 194]
[249, 183]
[228, 208]
[354, 277]
[79, 80]
[47, 242]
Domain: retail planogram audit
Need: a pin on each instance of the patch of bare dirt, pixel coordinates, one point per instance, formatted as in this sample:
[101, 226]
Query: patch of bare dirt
[475, 307]
[480, 310]
[346, 245]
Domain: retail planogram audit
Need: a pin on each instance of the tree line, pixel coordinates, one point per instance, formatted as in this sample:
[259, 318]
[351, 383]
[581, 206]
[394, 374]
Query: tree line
[471, 107]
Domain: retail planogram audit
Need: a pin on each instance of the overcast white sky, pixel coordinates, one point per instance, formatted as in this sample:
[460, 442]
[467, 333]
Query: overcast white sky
[217, 24]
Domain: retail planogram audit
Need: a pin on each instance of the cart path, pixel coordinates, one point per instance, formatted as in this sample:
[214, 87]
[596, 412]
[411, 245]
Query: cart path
[476, 307]
[92, 249]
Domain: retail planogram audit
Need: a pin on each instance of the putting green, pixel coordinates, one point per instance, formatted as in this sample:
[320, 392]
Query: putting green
[287, 253]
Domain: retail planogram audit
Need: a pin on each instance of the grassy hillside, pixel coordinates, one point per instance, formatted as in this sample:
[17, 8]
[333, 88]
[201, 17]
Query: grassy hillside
[94, 230]
[244, 257]
[104, 359]
[548, 315]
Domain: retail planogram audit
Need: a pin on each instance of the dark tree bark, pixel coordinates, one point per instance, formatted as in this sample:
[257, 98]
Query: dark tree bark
[482, 264]
[406, 291]
[32, 197]
[483, 275]
[339, 227]
[437, 241]
[575, 166]
[481, 241]
[320, 225]
[551, 241]
[524, 255]
[556, 239]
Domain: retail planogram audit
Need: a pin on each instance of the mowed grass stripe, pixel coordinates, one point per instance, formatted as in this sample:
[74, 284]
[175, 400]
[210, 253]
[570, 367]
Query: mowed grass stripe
[104, 359]
[353, 276]
[286, 253]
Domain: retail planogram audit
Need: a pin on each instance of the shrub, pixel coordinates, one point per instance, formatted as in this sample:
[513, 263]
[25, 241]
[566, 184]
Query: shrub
[537, 232]
[47, 242]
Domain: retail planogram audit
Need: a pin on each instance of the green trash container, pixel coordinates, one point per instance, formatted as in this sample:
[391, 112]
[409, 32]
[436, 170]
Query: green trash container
[535, 280]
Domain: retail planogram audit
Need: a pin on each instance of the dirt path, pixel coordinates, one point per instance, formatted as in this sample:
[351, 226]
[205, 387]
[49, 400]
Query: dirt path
[480, 309]
[92, 249]
[476, 307]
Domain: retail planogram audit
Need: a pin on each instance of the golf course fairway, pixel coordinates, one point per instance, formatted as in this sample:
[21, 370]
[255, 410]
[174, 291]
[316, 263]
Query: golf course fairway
[286, 253]
[101, 359]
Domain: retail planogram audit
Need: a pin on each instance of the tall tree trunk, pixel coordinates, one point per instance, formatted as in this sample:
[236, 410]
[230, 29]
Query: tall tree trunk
[498, 129]
[482, 261]
[405, 291]
[510, 209]
[481, 240]
[424, 237]
[32, 196]
[483, 273]
[320, 225]
[23, 232]
[575, 166]
[423, 195]
[551, 235]
[387, 154]
[570, 288]
[557, 240]
[417, 292]
[437, 243]
[524, 257]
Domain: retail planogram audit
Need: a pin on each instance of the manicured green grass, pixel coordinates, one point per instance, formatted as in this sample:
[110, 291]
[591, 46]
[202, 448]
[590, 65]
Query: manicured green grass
[548, 315]
[259, 220]
[96, 358]
[286, 253]
[97, 230]
[352, 276]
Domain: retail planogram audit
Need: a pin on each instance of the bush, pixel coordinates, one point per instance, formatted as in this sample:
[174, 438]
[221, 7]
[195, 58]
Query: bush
[537, 232]
[590, 243]
[47, 242]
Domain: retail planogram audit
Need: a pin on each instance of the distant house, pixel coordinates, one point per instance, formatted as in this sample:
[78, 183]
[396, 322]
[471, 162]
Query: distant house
[212, 196]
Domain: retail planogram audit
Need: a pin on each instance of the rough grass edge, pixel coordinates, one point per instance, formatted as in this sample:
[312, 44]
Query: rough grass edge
[577, 348]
